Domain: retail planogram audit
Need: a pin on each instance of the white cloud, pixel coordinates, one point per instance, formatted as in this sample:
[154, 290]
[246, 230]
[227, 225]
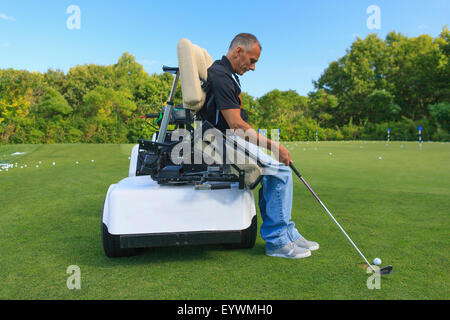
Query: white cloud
[5, 17]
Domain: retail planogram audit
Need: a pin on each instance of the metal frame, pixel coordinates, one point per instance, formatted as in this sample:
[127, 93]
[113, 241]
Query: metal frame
[169, 106]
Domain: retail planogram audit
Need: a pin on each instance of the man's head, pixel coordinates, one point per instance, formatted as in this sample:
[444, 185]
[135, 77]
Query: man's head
[244, 52]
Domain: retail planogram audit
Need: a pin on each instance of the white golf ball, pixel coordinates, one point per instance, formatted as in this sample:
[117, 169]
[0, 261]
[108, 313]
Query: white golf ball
[379, 158]
[377, 261]
[53, 163]
[92, 160]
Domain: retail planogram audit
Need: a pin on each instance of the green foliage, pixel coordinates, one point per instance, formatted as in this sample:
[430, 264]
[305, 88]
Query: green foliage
[80, 80]
[53, 105]
[441, 113]
[412, 72]
[351, 131]
[36, 136]
[19, 90]
[380, 106]
[108, 105]
[279, 110]
[395, 83]
[74, 135]
[89, 104]
[322, 107]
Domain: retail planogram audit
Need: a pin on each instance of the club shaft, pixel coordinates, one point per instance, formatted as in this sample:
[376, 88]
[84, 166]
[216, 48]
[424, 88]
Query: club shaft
[332, 217]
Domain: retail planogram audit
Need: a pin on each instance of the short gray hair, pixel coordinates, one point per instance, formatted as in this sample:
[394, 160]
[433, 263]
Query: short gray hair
[245, 40]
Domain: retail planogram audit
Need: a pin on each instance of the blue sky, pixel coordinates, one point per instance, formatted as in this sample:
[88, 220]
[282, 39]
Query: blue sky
[299, 38]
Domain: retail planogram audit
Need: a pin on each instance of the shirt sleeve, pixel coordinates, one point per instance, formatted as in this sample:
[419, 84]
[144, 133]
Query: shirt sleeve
[225, 96]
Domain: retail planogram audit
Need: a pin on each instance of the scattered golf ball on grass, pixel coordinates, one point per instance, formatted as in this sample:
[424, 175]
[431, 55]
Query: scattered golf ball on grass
[377, 261]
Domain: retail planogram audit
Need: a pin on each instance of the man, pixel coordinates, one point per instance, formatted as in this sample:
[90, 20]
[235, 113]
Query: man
[223, 107]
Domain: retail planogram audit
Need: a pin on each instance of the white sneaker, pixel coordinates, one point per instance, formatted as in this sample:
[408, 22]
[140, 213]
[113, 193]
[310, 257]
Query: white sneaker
[290, 251]
[306, 244]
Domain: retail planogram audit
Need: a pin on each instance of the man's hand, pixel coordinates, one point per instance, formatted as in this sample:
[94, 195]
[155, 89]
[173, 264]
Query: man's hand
[235, 122]
[282, 154]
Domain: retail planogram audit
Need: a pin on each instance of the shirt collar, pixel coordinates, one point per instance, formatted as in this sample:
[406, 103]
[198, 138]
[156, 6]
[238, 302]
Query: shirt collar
[229, 67]
[227, 64]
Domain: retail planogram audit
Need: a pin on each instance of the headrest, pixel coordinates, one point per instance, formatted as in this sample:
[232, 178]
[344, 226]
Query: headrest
[193, 63]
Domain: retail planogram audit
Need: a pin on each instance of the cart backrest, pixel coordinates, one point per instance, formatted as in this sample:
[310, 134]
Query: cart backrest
[193, 63]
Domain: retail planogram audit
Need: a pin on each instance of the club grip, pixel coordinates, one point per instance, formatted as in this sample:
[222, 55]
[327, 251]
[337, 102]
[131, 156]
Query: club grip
[295, 170]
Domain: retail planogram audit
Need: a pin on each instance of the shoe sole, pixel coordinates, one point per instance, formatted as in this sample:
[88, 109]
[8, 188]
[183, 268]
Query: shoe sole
[299, 256]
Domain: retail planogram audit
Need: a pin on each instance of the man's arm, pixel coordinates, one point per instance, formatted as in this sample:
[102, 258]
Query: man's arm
[235, 122]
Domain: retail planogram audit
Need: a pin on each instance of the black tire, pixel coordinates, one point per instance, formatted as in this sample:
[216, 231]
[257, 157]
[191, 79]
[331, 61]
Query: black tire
[111, 243]
[248, 236]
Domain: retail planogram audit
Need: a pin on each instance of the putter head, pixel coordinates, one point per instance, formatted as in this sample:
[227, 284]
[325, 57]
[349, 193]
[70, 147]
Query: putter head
[385, 271]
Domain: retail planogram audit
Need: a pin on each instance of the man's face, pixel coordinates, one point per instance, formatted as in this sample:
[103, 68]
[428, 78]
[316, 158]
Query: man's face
[246, 60]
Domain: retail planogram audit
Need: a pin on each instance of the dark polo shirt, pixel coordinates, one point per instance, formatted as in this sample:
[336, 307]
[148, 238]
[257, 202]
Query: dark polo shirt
[223, 92]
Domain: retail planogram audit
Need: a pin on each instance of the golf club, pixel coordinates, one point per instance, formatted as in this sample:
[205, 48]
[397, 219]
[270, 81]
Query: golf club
[384, 270]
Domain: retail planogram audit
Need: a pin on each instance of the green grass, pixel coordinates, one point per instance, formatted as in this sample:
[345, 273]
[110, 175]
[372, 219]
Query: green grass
[396, 208]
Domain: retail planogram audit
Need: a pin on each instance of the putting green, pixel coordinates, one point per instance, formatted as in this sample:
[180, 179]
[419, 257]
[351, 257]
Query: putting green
[392, 199]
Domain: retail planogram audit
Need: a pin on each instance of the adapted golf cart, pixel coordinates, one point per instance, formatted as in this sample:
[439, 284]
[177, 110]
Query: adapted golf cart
[169, 199]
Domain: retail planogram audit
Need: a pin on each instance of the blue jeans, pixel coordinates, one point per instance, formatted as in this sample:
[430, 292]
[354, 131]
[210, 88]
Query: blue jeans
[275, 204]
[275, 199]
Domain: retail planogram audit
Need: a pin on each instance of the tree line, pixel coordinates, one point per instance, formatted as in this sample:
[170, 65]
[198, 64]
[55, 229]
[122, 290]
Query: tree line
[397, 83]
